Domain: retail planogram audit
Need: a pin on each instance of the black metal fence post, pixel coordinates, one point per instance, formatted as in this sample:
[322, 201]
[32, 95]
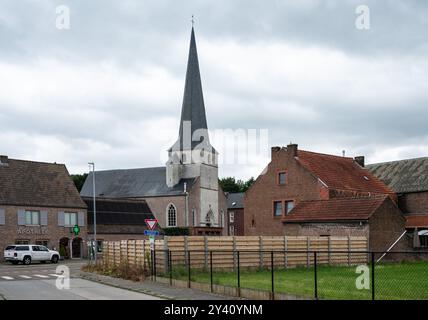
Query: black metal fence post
[272, 275]
[315, 276]
[211, 271]
[373, 275]
[188, 268]
[239, 274]
[170, 266]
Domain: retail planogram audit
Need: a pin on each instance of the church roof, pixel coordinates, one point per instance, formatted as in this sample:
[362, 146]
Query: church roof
[132, 183]
[193, 108]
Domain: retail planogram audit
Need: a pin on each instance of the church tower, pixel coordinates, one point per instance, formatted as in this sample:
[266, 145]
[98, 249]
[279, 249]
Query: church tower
[192, 155]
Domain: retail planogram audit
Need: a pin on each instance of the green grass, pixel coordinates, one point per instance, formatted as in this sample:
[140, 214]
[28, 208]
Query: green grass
[392, 281]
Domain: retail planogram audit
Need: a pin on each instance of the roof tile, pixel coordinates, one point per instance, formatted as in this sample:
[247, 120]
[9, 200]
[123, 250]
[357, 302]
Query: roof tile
[335, 209]
[341, 173]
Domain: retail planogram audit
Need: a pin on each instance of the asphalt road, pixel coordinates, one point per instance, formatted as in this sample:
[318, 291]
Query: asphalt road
[38, 282]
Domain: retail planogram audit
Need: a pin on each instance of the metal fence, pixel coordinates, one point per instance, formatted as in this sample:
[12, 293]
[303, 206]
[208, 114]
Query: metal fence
[359, 275]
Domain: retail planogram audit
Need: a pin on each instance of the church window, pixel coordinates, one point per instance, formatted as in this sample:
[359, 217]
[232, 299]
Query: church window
[172, 216]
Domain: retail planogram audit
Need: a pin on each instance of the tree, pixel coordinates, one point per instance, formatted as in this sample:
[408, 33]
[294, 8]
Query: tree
[79, 180]
[231, 185]
[248, 184]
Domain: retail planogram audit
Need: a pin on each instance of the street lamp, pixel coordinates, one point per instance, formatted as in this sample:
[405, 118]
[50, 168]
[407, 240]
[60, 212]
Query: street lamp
[95, 213]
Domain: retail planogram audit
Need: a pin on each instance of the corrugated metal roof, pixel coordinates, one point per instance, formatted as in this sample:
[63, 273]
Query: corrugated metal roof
[131, 183]
[410, 175]
[235, 200]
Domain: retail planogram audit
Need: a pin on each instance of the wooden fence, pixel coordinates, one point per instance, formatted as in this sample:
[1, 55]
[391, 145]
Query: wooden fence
[222, 252]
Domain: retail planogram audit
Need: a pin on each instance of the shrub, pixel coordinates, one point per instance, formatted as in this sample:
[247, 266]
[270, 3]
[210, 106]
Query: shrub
[176, 231]
[124, 270]
[62, 251]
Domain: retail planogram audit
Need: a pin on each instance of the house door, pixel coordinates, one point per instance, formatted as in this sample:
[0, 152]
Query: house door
[64, 249]
[76, 248]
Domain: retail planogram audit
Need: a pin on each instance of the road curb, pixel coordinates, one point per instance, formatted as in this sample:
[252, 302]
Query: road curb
[97, 278]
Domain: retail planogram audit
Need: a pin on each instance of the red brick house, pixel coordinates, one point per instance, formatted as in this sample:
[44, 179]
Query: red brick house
[308, 193]
[39, 204]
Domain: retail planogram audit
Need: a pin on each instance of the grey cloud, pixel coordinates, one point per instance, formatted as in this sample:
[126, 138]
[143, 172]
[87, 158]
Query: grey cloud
[137, 35]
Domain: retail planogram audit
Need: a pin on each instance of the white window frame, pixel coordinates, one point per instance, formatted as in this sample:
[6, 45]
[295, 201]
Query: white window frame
[167, 215]
[287, 209]
[32, 219]
[69, 215]
[231, 216]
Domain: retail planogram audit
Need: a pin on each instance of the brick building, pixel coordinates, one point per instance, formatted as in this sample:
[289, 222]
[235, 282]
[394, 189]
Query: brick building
[409, 179]
[118, 219]
[39, 204]
[185, 192]
[235, 214]
[308, 193]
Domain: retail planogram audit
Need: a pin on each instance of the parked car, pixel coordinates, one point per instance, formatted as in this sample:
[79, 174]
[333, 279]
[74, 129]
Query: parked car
[29, 253]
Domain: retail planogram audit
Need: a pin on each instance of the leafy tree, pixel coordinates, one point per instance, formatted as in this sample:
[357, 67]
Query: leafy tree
[79, 180]
[231, 185]
[248, 184]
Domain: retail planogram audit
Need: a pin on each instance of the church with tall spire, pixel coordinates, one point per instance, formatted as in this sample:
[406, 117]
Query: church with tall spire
[185, 192]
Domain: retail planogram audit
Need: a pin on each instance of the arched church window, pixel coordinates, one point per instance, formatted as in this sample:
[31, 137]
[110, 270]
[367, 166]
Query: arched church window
[172, 215]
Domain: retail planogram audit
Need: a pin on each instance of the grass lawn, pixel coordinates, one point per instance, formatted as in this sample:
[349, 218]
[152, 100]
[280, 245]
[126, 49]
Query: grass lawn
[392, 281]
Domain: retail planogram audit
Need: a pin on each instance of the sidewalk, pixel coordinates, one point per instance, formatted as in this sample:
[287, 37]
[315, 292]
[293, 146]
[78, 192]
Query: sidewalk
[154, 288]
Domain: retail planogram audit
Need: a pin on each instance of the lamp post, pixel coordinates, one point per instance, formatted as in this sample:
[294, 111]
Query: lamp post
[95, 213]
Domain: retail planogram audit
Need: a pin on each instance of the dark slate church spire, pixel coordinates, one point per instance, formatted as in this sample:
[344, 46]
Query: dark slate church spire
[193, 116]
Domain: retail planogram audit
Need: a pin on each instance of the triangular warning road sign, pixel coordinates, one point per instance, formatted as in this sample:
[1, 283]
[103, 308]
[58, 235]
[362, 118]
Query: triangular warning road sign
[151, 223]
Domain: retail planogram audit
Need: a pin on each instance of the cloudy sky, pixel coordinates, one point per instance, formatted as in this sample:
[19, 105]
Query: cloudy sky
[109, 89]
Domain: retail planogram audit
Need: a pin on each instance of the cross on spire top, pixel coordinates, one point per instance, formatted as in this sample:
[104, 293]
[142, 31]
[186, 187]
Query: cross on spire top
[193, 20]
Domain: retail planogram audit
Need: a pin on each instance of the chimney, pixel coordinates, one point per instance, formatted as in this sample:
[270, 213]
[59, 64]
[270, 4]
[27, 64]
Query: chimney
[273, 150]
[4, 161]
[292, 149]
[360, 160]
